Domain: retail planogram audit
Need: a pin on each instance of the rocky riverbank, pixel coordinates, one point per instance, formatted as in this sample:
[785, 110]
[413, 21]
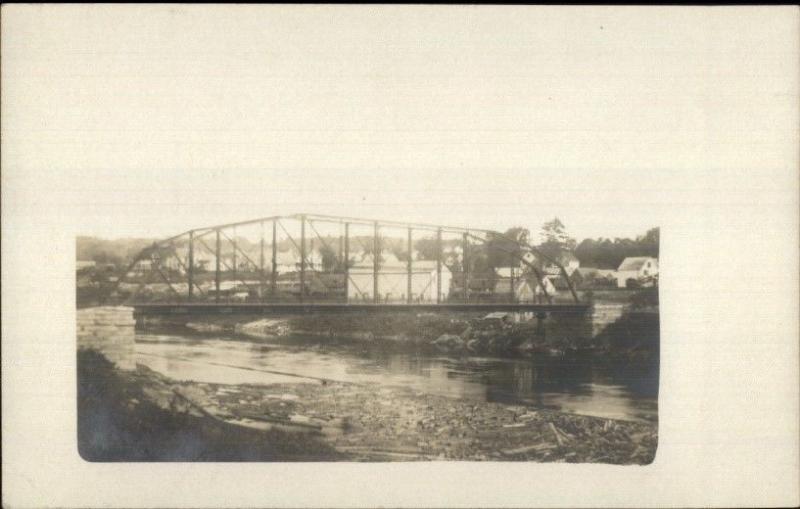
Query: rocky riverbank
[142, 415]
[635, 334]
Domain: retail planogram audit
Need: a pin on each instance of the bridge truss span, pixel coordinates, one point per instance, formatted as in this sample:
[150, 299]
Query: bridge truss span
[321, 260]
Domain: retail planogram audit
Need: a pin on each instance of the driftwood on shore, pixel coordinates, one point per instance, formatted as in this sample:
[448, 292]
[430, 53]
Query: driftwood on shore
[373, 424]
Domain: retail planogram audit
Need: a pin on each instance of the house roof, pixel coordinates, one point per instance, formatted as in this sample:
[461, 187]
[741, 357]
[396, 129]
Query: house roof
[634, 262]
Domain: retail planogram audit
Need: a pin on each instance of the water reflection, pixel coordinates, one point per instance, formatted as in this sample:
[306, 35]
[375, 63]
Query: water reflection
[578, 385]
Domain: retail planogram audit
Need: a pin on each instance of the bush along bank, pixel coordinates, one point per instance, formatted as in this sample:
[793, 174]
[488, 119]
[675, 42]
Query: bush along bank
[634, 337]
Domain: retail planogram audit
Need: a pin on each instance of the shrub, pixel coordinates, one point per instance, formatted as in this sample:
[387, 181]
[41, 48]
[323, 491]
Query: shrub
[645, 298]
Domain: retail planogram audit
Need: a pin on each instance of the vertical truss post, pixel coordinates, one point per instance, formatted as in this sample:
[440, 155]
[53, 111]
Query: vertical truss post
[340, 247]
[261, 292]
[439, 266]
[513, 281]
[190, 270]
[410, 276]
[465, 262]
[273, 283]
[302, 257]
[235, 269]
[376, 256]
[346, 263]
[217, 255]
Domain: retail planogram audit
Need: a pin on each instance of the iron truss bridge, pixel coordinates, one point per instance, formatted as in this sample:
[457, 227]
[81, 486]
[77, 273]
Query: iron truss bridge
[312, 262]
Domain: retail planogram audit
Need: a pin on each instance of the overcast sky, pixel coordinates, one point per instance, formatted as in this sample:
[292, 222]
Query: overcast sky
[152, 121]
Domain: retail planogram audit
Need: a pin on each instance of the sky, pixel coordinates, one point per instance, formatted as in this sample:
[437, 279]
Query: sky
[149, 121]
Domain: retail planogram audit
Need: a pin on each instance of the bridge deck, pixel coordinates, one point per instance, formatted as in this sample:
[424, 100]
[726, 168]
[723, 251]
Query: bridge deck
[273, 308]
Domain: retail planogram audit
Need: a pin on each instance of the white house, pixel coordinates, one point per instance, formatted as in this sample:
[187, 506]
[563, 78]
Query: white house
[568, 260]
[636, 267]
[393, 281]
[526, 287]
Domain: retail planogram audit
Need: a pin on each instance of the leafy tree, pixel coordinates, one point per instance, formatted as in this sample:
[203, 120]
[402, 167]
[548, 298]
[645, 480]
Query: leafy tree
[330, 261]
[554, 239]
[607, 254]
[505, 250]
[426, 248]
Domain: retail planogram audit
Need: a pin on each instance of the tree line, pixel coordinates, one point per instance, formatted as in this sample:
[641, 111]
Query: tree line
[606, 253]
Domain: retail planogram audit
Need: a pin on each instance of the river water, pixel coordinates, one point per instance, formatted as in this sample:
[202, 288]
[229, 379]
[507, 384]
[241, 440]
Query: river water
[582, 386]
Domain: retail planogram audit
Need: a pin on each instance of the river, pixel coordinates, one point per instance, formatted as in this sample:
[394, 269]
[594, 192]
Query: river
[585, 386]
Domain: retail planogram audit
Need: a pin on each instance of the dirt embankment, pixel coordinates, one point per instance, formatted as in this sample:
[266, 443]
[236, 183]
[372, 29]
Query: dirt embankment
[143, 416]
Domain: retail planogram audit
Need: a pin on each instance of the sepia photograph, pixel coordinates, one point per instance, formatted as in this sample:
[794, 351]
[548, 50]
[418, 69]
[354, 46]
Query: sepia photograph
[325, 338]
[400, 256]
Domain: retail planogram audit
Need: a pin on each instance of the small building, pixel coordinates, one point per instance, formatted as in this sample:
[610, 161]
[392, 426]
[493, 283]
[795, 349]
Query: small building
[526, 288]
[523, 292]
[636, 268]
[568, 260]
[314, 285]
[142, 266]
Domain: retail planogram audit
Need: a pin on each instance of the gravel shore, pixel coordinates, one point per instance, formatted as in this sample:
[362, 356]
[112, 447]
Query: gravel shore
[369, 423]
